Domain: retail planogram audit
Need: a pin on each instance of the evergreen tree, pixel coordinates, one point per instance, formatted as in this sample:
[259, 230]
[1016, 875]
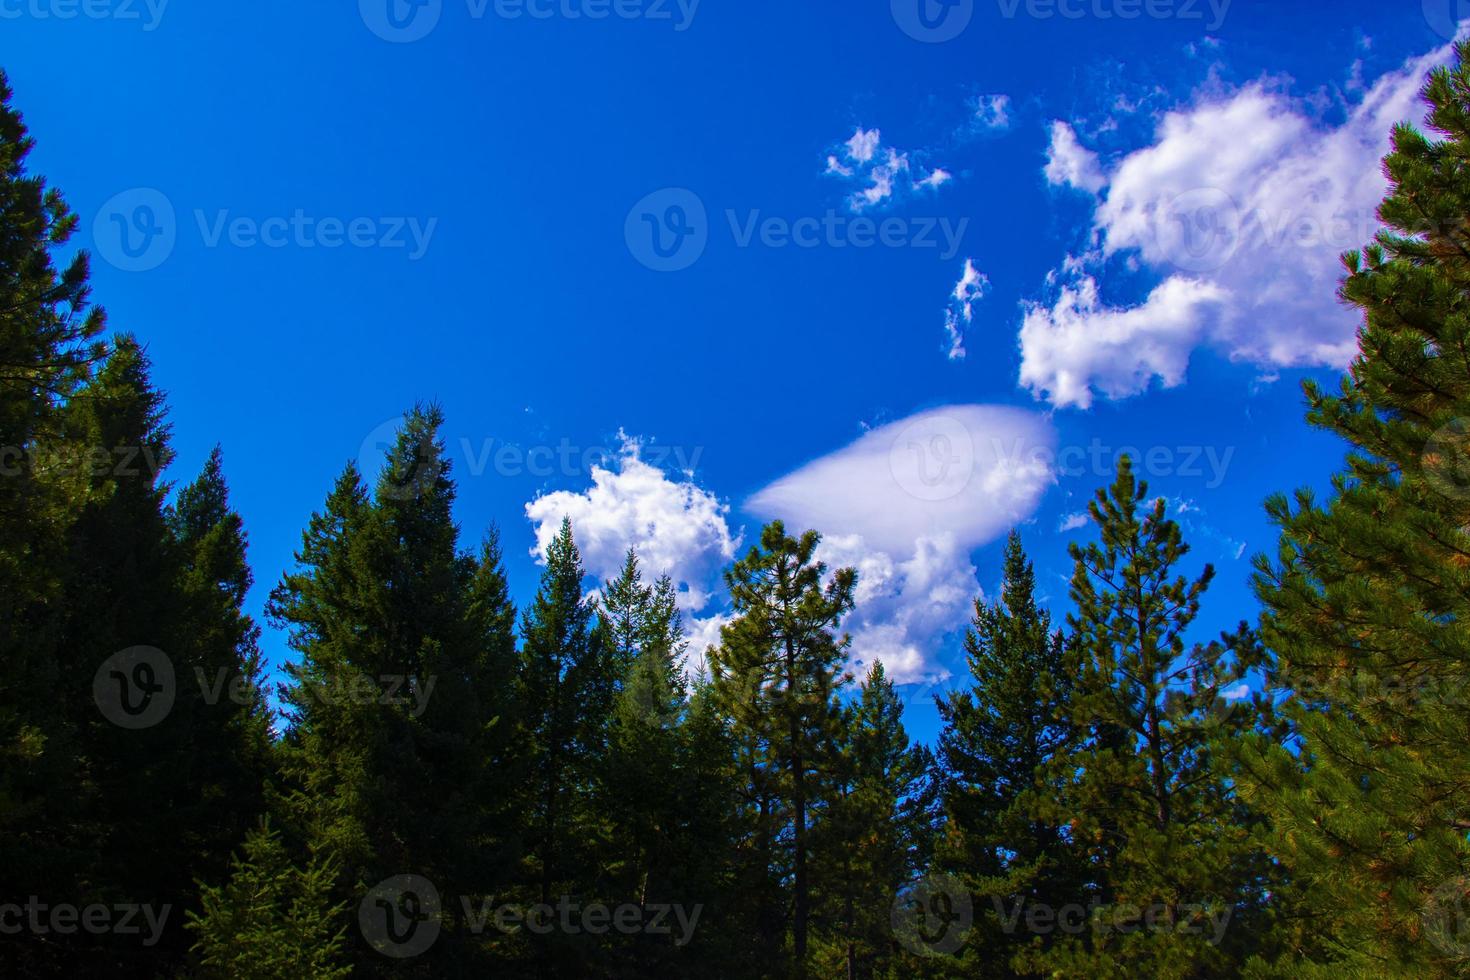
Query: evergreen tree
[565, 687]
[272, 920]
[393, 726]
[1366, 600]
[643, 779]
[877, 835]
[776, 674]
[997, 740]
[1147, 792]
[48, 331]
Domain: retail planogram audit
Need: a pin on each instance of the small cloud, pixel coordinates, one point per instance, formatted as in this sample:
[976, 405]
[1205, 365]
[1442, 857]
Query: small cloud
[993, 112]
[961, 312]
[1069, 163]
[883, 171]
[1074, 521]
[1237, 692]
[863, 145]
[937, 178]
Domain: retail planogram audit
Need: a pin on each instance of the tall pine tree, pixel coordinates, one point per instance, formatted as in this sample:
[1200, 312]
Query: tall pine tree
[777, 673]
[1147, 790]
[997, 741]
[1368, 598]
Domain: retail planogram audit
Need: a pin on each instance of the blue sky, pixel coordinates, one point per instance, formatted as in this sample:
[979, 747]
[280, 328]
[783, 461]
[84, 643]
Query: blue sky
[914, 277]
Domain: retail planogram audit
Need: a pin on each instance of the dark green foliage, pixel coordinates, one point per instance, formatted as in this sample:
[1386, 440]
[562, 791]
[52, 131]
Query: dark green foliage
[394, 733]
[998, 738]
[272, 920]
[776, 675]
[876, 835]
[1144, 789]
[566, 681]
[1367, 598]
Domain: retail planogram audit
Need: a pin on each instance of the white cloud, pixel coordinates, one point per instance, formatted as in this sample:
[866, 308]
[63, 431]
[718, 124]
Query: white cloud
[961, 312]
[863, 145]
[883, 172]
[992, 111]
[677, 528]
[1243, 203]
[1069, 163]
[938, 177]
[1078, 345]
[1072, 522]
[904, 504]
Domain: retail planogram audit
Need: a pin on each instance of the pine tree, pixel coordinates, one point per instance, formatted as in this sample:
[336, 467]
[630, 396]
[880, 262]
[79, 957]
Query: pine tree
[997, 740]
[393, 724]
[272, 920]
[232, 754]
[48, 331]
[1366, 600]
[776, 674]
[877, 833]
[642, 779]
[565, 687]
[1147, 791]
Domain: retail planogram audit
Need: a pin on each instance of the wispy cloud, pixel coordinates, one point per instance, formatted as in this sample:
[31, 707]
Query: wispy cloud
[881, 172]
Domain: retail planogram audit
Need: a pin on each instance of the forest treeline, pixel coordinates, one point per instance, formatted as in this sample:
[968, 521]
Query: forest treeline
[448, 785]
